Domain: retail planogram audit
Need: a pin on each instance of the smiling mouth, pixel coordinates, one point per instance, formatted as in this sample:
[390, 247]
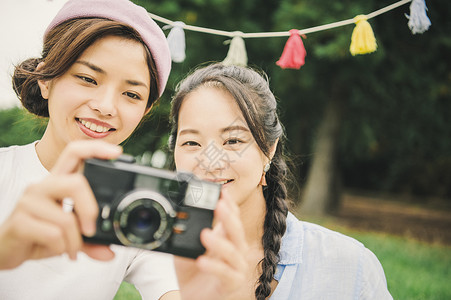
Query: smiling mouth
[94, 127]
[225, 181]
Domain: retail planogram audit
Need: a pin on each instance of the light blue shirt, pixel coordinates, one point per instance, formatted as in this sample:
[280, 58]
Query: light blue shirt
[317, 263]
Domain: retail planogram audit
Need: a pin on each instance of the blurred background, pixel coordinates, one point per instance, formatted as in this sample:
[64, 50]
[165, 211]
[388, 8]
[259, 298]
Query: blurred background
[369, 135]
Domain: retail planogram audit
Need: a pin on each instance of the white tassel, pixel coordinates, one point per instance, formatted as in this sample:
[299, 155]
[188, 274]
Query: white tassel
[176, 41]
[237, 52]
[418, 19]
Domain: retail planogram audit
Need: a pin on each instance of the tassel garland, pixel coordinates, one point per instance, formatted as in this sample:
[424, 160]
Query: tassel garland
[176, 41]
[418, 19]
[237, 52]
[362, 39]
[293, 55]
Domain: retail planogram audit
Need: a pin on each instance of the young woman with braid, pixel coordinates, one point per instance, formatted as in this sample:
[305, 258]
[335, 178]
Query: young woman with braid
[226, 129]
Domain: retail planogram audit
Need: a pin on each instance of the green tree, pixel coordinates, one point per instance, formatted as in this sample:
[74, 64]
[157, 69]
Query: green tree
[381, 119]
[19, 127]
[384, 113]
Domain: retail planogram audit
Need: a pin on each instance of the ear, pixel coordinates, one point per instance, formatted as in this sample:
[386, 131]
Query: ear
[44, 85]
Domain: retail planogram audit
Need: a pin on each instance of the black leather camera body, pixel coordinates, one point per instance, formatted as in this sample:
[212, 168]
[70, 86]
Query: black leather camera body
[150, 208]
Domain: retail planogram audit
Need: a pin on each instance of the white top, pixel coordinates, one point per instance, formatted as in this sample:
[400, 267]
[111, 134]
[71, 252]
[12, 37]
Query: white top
[318, 263]
[152, 273]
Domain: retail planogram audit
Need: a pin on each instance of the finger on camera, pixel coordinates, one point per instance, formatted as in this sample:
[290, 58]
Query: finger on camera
[24, 237]
[219, 269]
[76, 187]
[221, 248]
[66, 223]
[44, 238]
[232, 225]
[98, 252]
[77, 151]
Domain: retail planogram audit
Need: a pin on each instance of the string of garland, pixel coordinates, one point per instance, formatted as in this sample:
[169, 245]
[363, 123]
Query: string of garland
[363, 40]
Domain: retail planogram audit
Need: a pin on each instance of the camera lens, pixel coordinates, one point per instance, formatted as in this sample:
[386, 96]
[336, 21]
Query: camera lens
[143, 221]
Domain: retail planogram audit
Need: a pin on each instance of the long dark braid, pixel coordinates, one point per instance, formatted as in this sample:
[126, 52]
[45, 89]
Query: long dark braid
[274, 225]
[251, 91]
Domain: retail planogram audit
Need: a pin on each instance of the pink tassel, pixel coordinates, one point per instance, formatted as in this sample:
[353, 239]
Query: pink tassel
[293, 55]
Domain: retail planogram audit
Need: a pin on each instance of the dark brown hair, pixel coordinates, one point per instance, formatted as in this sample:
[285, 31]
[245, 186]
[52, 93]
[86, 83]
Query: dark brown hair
[62, 47]
[251, 91]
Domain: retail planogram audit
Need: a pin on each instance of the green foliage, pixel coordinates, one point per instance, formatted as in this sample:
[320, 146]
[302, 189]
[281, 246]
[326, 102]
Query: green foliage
[395, 102]
[396, 129]
[21, 127]
[128, 292]
[413, 270]
[152, 134]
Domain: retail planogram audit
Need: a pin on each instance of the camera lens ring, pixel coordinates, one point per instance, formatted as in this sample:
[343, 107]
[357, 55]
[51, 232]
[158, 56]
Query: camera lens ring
[134, 199]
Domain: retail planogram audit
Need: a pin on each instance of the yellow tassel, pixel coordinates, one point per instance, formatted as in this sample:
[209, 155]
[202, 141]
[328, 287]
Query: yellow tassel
[362, 40]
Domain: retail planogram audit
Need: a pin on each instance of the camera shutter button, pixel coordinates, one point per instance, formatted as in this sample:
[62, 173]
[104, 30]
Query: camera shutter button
[105, 212]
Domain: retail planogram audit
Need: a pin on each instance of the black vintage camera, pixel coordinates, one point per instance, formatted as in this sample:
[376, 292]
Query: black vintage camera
[150, 208]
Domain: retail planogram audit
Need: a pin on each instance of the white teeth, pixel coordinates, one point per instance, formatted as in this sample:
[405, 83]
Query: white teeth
[224, 181]
[93, 127]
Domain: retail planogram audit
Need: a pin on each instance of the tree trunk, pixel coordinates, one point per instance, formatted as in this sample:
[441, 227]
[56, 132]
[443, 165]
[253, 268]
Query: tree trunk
[321, 194]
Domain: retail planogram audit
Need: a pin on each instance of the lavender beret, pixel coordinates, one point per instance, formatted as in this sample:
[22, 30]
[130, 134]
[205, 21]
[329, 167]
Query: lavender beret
[126, 12]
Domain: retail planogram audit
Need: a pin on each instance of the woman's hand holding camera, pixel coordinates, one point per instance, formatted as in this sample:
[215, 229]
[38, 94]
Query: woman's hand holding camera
[221, 271]
[39, 227]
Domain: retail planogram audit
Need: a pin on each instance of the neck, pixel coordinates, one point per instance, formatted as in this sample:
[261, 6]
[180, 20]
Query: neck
[253, 212]
[49, 149]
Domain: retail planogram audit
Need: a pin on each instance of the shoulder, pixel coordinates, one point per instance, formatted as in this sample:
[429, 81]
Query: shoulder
[15, 152]
[305, 236]
[323, 237]
[324, 244]
[11, 160]
[327, 256]
[19, 166]
[9, 151]
[16, 159]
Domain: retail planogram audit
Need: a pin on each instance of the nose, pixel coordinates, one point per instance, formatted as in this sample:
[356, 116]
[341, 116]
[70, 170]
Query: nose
[104, 102]
[213, 160]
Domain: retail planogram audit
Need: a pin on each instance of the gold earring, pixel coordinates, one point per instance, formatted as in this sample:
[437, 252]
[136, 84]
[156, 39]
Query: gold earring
[265, 169]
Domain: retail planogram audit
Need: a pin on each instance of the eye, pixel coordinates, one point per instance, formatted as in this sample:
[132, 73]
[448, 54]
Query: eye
[87, 79]
[132, 95]
[191, 144]
[233, 141]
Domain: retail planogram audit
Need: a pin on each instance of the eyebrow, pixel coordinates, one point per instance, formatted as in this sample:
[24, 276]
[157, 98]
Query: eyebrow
[101, 71]
[226, 129]
[136, 83]
[91, 66]
[235, 128]
[188, 131]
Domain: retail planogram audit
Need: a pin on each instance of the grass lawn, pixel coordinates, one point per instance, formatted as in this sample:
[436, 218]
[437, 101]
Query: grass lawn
[414, 270]
[127, 292]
